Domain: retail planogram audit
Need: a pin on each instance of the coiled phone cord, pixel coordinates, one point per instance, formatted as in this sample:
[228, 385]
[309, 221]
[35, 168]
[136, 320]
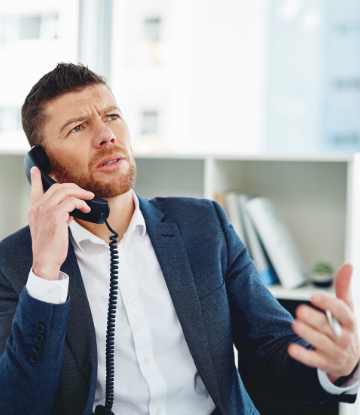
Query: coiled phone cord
[110, 333]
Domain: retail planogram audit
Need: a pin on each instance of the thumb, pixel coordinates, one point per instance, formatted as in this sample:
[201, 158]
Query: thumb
[36, 185]
[342, 284]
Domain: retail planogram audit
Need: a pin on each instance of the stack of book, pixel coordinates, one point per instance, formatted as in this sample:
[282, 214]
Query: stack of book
[268, 240]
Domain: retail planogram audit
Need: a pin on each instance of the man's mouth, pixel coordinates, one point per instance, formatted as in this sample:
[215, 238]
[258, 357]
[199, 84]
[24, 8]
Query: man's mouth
[110, 160]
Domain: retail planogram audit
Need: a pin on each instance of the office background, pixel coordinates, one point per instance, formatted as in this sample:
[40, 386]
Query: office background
[230, 76]
[256, 96]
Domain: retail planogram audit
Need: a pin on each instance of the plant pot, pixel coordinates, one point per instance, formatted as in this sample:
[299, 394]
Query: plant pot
[322, 280]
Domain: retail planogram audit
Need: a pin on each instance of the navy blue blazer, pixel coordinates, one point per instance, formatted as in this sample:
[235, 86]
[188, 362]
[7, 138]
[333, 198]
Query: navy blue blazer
[48, 361]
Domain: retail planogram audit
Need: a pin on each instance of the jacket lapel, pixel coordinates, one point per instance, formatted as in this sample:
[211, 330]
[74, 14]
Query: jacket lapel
[173, 259]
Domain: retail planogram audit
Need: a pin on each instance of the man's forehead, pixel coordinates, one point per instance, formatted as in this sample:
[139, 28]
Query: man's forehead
[75, 103]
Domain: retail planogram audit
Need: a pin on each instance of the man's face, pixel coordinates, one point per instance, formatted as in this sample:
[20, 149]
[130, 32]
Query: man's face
[85, 130]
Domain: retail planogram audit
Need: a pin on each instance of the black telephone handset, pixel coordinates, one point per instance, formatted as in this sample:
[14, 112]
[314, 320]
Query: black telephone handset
[37, 157]
[99, 213]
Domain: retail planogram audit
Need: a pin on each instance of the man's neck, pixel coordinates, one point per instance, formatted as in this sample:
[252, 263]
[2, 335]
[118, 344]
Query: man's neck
[121, 211]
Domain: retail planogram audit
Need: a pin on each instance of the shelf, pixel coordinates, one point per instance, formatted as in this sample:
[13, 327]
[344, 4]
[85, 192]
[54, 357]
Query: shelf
[298, 294]
[15, 143]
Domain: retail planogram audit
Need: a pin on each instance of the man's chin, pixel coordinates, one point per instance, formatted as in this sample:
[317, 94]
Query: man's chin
[108, 190]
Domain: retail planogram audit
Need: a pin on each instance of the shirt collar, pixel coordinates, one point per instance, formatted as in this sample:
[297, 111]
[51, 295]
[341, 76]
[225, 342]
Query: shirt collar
[80, 234]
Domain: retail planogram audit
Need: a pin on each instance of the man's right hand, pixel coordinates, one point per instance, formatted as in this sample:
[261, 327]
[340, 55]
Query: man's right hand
[49, 218]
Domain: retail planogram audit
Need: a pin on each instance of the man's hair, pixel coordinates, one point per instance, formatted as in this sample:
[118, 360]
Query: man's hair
[66, 77]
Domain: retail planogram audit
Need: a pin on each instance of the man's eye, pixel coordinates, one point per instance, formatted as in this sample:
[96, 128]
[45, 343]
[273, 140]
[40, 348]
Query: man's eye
[77, 128]
[113, 117]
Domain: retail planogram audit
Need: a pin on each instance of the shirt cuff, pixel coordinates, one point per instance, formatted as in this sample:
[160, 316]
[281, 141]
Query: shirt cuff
[55, 292]
[350, 387]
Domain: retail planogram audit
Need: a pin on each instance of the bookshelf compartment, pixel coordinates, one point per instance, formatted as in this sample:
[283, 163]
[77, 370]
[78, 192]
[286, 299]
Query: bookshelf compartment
[311, 197]
[170, 177]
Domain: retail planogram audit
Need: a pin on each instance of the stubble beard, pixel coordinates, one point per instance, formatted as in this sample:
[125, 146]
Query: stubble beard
[104, 189]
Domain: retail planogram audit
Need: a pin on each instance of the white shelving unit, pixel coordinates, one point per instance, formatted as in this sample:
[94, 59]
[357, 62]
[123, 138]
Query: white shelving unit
[299, 294]
[318, 197]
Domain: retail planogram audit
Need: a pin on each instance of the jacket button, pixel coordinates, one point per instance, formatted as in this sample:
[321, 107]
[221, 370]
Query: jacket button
[37, 348]
[38, 338]
[40, 328]
[34, 357]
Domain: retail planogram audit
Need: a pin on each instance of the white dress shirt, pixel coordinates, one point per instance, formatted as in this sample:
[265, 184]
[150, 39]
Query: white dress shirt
[154, 370]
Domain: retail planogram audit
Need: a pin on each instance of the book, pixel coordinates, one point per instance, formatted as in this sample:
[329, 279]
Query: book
[255, 248]
[232, 209]
[277, 242]
[220, 198]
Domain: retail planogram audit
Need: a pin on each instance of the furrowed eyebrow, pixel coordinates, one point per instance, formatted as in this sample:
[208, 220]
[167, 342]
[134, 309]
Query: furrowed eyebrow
[73, 121]
[85, 117]
[110, 109]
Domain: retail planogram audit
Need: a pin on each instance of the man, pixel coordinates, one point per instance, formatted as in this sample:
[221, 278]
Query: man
[186, 285]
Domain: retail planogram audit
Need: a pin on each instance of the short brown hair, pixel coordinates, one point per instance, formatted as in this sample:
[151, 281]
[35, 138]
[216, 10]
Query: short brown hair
[66, 77]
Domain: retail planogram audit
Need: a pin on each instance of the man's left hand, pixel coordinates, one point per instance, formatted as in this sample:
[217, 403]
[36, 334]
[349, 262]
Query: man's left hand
[336, 356]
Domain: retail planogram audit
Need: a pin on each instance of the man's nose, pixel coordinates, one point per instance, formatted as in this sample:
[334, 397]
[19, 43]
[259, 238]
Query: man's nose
[104, 136]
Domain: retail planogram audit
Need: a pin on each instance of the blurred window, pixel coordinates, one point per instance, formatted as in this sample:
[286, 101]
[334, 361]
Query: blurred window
[149, 122]
[10, 119]
[152, 28]
[283, 75]
[33, 41]
[30, 27]
[345, 139]
[20, 27]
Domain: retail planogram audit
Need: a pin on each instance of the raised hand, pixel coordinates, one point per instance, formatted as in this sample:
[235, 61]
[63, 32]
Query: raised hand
[337, 356]
[49, 218]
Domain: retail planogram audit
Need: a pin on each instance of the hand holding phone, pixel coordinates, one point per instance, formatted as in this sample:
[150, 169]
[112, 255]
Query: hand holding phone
[51, 206]
[37, 156]
[49, 217]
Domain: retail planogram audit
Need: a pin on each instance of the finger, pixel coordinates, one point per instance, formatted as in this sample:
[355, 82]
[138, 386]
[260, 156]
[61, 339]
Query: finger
[339, 309]
[342, 284]
[60, 192]
[63, 191]
[314, 318]
[317, 339]
[71, 203]
[310, 358]
[37, 190]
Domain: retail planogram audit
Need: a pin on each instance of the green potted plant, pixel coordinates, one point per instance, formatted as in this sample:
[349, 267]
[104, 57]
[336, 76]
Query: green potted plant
[322, 274]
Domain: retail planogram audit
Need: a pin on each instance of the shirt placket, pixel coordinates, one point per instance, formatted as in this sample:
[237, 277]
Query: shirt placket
[142, 337]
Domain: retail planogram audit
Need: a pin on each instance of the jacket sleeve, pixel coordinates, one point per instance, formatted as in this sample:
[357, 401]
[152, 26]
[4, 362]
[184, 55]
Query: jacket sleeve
[264, 327]
[32, 335]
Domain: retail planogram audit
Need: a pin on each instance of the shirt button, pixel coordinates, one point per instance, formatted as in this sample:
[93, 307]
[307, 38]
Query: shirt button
[146, 360]
[132, 302]
[49, 300]
[158, 412]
